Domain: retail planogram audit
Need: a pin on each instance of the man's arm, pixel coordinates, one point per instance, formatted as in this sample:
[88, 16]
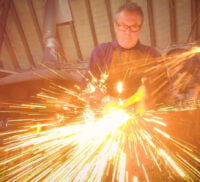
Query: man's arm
[99, 61]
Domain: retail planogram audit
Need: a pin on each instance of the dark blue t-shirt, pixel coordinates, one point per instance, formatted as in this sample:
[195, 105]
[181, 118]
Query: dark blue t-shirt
[115, 60]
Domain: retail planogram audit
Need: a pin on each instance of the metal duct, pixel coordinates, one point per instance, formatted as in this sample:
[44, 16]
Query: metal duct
[56, 11]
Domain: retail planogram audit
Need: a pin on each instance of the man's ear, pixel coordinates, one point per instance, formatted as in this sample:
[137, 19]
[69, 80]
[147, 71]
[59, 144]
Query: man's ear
[115, 25]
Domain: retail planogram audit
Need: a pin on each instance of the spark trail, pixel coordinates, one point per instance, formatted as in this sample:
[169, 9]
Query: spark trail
[65, 139]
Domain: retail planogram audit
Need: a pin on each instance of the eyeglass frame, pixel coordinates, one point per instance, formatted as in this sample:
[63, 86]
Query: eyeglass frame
[128, 27]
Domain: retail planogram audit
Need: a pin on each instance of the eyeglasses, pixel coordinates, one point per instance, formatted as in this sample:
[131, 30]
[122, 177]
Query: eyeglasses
[133, 28]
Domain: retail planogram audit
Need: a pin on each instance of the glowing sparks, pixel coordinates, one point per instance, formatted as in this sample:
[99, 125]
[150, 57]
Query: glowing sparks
[115, 117]
[119, 87]
[86, 148]
[161, 132]
[32, 106]
[195, 50]
[58, 139]
[155, 121]
[135, 179]
[172, 163]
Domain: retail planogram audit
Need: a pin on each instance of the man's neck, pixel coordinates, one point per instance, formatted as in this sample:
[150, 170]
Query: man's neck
[117, 46]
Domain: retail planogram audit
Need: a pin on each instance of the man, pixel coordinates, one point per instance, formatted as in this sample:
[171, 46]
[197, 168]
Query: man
[125, 60]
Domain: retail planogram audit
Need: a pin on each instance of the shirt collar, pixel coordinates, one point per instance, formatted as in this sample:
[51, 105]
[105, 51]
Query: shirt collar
[116, 45]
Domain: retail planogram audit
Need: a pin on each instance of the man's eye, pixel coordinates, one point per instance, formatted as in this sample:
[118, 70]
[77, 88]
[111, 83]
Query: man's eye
[123, 26]
[134, 26]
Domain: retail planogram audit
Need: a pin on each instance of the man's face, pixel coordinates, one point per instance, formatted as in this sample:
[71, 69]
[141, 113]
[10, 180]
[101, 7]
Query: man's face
[127, 28]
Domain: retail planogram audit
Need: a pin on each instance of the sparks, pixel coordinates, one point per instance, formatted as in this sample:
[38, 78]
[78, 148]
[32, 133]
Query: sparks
[58, 139]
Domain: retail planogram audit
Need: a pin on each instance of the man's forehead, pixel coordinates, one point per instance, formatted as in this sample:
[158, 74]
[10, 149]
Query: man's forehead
[126, 16]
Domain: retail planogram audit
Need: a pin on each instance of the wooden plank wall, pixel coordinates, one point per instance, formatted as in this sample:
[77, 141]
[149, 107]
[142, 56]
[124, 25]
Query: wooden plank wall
[167, 22]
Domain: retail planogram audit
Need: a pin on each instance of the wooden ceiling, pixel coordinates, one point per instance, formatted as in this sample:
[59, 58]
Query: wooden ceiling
[167, 22]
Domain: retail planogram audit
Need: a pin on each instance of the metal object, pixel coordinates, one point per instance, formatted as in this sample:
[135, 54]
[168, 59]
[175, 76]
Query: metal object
[49, 35]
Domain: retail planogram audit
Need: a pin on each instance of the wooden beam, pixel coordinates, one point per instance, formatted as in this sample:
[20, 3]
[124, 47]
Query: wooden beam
[75, 37]
[110, 18]
[198, 20]
[3, 22]
[22, 34]
[195, 18]
[11, 52]
[172, 15]
[7, 71]
[35, 21]
[62, 52]
[193, 21]
[151, 22]
[91, 21]
[76, 42]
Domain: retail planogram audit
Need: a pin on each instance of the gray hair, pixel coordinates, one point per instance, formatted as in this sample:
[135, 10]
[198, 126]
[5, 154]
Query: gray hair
[130, 7]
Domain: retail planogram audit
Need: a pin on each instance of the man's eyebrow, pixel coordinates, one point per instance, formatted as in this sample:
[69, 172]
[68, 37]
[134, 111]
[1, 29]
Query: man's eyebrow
[137, 24]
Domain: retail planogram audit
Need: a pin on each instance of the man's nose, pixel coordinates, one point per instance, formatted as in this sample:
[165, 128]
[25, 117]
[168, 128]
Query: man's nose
[128, 30]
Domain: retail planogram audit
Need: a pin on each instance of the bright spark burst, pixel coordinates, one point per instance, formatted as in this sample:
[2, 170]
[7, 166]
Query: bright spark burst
[67, 140]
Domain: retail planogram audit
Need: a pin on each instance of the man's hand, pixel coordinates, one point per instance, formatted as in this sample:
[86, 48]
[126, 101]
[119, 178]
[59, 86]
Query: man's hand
[140, 98]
